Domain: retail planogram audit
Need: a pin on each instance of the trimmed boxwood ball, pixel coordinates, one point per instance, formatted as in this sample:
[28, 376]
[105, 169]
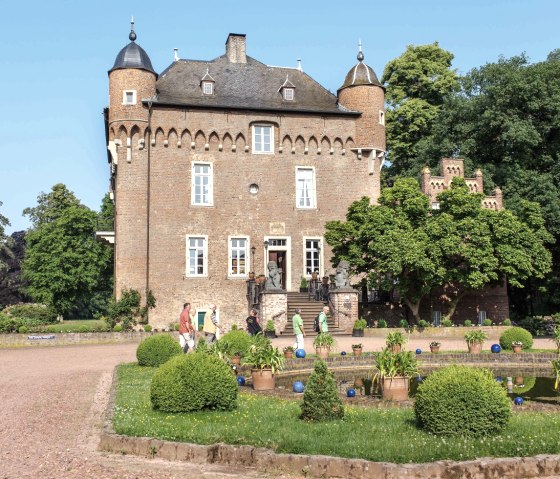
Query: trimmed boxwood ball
[192, 382]
[461, 400]
[516, 334]
[300, 353]
[156, 350]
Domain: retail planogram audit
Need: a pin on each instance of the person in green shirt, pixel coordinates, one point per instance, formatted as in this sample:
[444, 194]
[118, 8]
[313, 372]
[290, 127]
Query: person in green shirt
[323, 320]
[297, 323]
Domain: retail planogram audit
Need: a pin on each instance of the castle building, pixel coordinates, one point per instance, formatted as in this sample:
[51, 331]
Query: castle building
[221, 166]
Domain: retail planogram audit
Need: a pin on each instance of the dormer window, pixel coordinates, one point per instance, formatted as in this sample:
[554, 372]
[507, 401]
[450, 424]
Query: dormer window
[287, 90]
[207, 88]
[207, 84]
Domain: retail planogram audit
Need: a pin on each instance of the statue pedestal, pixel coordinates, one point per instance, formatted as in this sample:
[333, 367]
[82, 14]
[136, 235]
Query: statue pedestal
[345, 302]
[274, 305]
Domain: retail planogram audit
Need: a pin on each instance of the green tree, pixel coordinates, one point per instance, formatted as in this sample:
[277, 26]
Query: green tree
[5, 243]
[321, 401]
[418, 82]
[461, 247]
[51, 205]
[64, 263]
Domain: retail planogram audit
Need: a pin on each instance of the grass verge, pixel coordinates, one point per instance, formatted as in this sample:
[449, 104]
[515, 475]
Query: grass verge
[373, 434]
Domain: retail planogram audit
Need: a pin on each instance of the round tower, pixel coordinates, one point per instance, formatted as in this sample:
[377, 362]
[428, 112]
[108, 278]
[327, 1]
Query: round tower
[363, 92]
[131, 80]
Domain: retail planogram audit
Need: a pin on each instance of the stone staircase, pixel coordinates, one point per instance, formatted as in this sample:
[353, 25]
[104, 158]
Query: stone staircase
[309, 310]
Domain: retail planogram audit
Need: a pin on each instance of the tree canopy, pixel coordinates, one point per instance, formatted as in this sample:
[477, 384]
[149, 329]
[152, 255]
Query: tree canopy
[51, 205]
[5, 242]
[462, 247]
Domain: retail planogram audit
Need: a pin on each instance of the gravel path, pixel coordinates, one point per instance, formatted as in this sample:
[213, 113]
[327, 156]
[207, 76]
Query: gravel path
[51, 406]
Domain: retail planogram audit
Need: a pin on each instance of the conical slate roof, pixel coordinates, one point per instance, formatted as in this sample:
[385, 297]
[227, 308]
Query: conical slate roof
[133, 56]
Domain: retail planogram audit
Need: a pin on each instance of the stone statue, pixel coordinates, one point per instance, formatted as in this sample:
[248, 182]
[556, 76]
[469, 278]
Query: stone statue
[341, 276]
[274, 277]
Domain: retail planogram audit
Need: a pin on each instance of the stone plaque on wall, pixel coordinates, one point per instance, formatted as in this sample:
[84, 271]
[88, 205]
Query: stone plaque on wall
[277, 228]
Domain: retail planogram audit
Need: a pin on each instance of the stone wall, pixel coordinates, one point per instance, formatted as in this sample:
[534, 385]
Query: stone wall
[274, 306]
[345, 307]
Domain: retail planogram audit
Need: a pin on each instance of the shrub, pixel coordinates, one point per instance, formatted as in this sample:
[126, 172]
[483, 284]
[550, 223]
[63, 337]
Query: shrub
[447, 323]
[395, 338]
[507, 322]
[487, 322]
[423, 323]
[23, 330]
[460, 400]
[269, 325]
[117, 328]
[156, 350]
[235, 342]
[147, 328]
[37, 312]
[476, 336]
[323, 339]
[467, 323]
[381, 323]
[360, 324]
[84, 328]
[516, 334]
[192, 382]
[403, 323]
[321, 401]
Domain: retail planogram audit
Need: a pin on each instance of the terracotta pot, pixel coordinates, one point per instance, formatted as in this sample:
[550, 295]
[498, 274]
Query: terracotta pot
[475, 348]
[518, 381]
[358, 382]
[236, 360]
[263, 379]
[322, 351]
[434, 349]
[395, 389]
[396, 348]
[517, 349]
[288, 354]
[357, 352]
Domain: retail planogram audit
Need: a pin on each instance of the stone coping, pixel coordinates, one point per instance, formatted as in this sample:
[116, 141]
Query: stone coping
[319, 466]
[451, 332]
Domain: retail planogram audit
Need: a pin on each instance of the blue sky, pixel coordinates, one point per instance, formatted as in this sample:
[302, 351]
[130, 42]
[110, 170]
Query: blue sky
[54, 58]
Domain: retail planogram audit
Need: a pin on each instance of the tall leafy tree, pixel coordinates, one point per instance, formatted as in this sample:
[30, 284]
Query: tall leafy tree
[461, 247]
[5, 242]
[51, 205]
[12, 284]
[418, 82]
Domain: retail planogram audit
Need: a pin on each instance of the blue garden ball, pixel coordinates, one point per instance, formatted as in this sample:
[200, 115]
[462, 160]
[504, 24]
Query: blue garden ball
[300, 353]
[298, 387]
[351, 392]
[240, 380]
[496, 348]
[518, 401]
[500, 379]
[418, 351]
[343, 353]
[419, 379]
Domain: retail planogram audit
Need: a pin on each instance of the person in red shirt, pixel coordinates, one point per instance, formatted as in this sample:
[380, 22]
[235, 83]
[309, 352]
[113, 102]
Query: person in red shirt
[186, 329]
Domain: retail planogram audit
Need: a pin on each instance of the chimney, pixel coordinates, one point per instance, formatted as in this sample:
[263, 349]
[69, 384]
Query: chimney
[235, 48]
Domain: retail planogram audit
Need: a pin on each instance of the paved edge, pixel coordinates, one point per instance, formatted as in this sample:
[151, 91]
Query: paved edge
[268, 461]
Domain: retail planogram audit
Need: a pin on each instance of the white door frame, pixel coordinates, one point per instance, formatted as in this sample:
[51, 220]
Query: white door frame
[288, 250]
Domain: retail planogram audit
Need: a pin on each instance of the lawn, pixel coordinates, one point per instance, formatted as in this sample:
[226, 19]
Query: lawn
[376, 434]
[74, 325]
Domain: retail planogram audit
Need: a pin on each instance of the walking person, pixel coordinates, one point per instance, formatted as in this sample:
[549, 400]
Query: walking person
[211, 327]
[186, 329]
[297, 324]
[253, 326]
[324, 327]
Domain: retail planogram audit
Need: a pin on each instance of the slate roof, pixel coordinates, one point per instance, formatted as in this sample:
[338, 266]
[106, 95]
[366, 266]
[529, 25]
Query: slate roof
[361, 74]
[250, 85]
[133, 56]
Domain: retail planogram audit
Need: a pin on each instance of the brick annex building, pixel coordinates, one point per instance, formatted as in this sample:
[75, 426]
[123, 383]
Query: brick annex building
[220, 166]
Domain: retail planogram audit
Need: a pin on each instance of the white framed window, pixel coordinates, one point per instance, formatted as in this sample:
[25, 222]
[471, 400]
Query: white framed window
[129, 97]
[197, 256]
[481, 317]
[312, 255]
[305, 187]
[202, 184]
[288, 94]
[207, 88]
[263, 139]
[381, 117]
[238, 256]
[436, 318]
[435, 205]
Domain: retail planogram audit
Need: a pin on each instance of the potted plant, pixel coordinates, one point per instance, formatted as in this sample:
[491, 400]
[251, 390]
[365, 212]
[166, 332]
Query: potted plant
[359, 326]
[265, 361]
[236, 358]
[474, 340]
[323, 343]
[357, 350]
[517, 346]
[434, 347]
[289, 352]
[394, 371]
[269, 330]
[303, 285]
[395, 340]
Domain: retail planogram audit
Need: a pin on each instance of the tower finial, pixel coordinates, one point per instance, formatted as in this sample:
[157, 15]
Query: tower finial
[360, 54]
[132, 35]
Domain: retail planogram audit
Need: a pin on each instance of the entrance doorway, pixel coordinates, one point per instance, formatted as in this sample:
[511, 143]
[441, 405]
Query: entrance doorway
[278, 249]
[279, 257]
